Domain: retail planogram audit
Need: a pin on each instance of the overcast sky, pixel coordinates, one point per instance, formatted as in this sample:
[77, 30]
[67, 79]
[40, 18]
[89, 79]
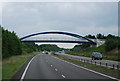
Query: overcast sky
[82, 18]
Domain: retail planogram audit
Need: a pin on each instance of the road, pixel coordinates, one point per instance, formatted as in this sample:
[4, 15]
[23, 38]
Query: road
[103, 62]
[49, 67]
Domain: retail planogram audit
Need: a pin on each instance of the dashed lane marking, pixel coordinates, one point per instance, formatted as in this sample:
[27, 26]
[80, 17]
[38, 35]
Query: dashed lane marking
[51, 65]
[56, 69]
[87, 69]
[63, 76]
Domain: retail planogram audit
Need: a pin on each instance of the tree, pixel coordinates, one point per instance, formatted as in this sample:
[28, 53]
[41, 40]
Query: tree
[90, 36]
[30, 47]
[100, 36]
[110, 36]
[11, 44]
[112, 42]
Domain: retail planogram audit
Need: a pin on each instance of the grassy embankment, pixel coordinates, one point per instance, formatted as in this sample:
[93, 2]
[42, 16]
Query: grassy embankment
[13, 64]
[108, 71]
[109, 55]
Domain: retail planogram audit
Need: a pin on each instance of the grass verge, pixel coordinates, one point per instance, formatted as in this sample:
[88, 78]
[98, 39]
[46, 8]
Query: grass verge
[108, 71]
[107, 55]
[12, 65]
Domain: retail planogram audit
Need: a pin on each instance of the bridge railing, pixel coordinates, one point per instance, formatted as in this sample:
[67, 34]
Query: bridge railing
[63, 39]
[95, 62]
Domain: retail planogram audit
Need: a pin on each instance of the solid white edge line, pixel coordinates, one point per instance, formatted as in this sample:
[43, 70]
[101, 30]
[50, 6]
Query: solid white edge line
[88, 69]
[23, 75]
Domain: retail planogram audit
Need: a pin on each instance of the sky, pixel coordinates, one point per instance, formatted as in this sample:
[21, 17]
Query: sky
[82, 18]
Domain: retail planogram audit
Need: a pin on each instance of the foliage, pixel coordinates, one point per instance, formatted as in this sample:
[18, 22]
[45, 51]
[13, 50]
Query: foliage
[76, 48]
[90, 36]
[50, 47]
[112, 43]
[83, 46]
[95, 49]
[100, 36]
[10, 44]
[12, 65]
[111, 36]
[30, 47]
[109, 49]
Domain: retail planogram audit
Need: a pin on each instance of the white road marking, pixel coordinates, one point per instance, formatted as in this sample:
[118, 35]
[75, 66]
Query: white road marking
[56, 69]
[51, 65]
[23, 75]
[63, 76]
[88, 69]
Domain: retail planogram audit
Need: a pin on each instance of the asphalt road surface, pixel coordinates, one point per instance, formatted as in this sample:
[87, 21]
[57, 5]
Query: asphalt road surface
[44, 66]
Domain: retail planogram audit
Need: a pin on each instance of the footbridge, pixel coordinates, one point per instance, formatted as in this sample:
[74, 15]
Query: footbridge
[55, 37]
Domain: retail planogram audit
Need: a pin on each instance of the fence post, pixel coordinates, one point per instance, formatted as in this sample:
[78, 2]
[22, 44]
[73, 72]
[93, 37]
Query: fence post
[100, 63]
[95, 62]
[113, 66]
[106, 64]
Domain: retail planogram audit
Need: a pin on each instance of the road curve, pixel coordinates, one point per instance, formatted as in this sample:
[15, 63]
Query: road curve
[50, 67]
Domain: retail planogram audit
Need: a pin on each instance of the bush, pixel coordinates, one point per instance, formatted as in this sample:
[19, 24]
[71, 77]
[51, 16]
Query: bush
[29, 47]
[11, 44]
[112, 43]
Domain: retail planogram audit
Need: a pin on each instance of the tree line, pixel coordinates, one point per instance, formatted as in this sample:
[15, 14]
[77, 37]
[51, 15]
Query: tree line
[100, 36]
[11, 45]
[50, 47]
[111, 42]
[30, 47]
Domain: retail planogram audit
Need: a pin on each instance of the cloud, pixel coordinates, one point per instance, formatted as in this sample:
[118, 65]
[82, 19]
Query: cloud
[0, 13]
[82, 17]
